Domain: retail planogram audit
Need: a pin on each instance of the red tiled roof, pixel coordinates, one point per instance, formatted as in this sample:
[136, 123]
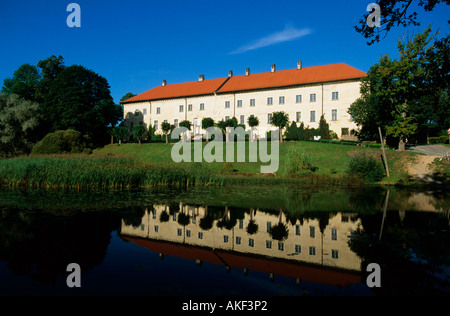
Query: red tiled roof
[179, 90]
[279, 78]
[290, 77]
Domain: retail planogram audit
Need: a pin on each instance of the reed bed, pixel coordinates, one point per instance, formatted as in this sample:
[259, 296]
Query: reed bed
[97, 172]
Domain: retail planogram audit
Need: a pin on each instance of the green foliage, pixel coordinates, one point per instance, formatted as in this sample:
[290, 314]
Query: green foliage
[253, 121]
[127, 96]
[324, 128]
[24, 83]
[280, 119]
[439, 140]
[94, 172]
[366, 167]
[186, 124]
[207, 122]
[139, 132]
[298, 163]
[62, 142]
[19, 122]
[292, 132]
[120, 132]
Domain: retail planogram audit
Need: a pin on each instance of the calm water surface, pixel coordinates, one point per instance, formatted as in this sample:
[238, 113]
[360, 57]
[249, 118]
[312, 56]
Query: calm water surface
[230, 241]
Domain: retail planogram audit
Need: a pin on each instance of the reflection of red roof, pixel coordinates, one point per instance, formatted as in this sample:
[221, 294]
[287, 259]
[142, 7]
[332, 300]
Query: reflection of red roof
[279, 78]
[306, 272]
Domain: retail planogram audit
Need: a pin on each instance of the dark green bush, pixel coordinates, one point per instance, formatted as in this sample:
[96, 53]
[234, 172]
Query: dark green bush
[366, 167]
[63, 142]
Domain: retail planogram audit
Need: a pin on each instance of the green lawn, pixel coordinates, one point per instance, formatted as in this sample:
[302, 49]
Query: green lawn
[329, 158]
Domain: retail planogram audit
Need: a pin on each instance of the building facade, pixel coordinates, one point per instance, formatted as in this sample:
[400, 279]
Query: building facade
[305, 94]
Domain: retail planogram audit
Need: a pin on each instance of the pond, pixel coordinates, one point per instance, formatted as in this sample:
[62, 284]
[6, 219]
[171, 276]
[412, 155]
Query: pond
[225, 241]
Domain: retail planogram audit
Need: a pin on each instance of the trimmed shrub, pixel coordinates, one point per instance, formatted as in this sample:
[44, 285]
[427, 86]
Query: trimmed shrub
[298, 163]
[62, 142]
[365, 167]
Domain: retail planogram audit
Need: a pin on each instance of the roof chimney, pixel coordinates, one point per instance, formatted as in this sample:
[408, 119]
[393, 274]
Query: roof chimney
[247, 72]
[201, 77]
[273, 68]
[230, 73]
[299, 64]
[164, 82]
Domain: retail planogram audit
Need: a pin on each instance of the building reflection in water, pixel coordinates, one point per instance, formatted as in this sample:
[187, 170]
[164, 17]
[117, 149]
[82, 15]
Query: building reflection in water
[254, 240]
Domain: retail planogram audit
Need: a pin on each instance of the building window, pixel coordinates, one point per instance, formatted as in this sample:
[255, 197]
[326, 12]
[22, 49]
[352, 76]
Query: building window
[158, 110]
[252, 102]
[298, 249]
[333, 234]
[334, 115]
[188, 233]
[155, 124]
[312, 231]
[241, 223]
[144, 111]
[312, 97]
[269, 118]
[153, 214]
[156, 228]
[175, 122]
[227, 104]
[227, 118]
[312, 251]
[179, 232]
[239, 103]
[225, 238]
[281, 246]
[334, 95]
[202, 106]
[238, 240]
[298, 117]
[200, 235]
[297, 230]
[344, 131]
[242, 119]
[142, 227]
[189, 107]
[281, 100]
[334, 254]
[251, 242]
[269, 101]
[269, 244]
[298, 98]
[312, 117]
[165, 121]
[268, 226]
[181, 108]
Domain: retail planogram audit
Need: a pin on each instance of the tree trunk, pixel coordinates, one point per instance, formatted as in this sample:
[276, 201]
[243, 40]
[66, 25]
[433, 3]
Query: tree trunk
[167, 140]
[281, 135]
[401, 144]
[251, 134]
[139, 140]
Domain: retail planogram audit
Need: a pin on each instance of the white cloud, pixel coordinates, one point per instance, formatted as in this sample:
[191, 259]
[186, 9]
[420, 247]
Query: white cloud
[288, 34]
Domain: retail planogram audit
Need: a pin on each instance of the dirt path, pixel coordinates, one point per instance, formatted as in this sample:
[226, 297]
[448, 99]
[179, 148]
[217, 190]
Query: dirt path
[421, 168]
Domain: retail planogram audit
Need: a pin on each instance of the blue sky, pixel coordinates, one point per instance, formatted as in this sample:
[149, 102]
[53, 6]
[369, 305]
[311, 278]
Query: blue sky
[135, 44]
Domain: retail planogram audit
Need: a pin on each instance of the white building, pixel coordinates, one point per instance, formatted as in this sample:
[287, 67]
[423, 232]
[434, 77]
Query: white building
[303, 93]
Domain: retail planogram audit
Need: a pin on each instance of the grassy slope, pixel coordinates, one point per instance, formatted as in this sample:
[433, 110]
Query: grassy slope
[330, 158]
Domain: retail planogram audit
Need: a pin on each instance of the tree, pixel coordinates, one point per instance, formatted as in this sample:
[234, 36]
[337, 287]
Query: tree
[139, 132]
[19, 121]
[207, 122]
[186, 124]
[253, 122]
[127, 96]
[407, 95]
[280, 119]
[80, 99]
[166, 128]
[50, 69]
[24, 82]
[120, 132]
[394, 14]
[324, 128]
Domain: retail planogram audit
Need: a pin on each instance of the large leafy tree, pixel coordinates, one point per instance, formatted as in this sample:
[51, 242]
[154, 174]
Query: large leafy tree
[24, 82]
[80, 99]
[19, 120]
[281, 120]
[407, 97]
[394, 14]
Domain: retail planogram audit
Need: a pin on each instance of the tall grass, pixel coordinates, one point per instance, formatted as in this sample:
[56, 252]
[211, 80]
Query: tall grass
[85, 172]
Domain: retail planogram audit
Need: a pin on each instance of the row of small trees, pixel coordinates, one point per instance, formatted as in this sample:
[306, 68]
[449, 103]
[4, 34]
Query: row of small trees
[279, 119]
